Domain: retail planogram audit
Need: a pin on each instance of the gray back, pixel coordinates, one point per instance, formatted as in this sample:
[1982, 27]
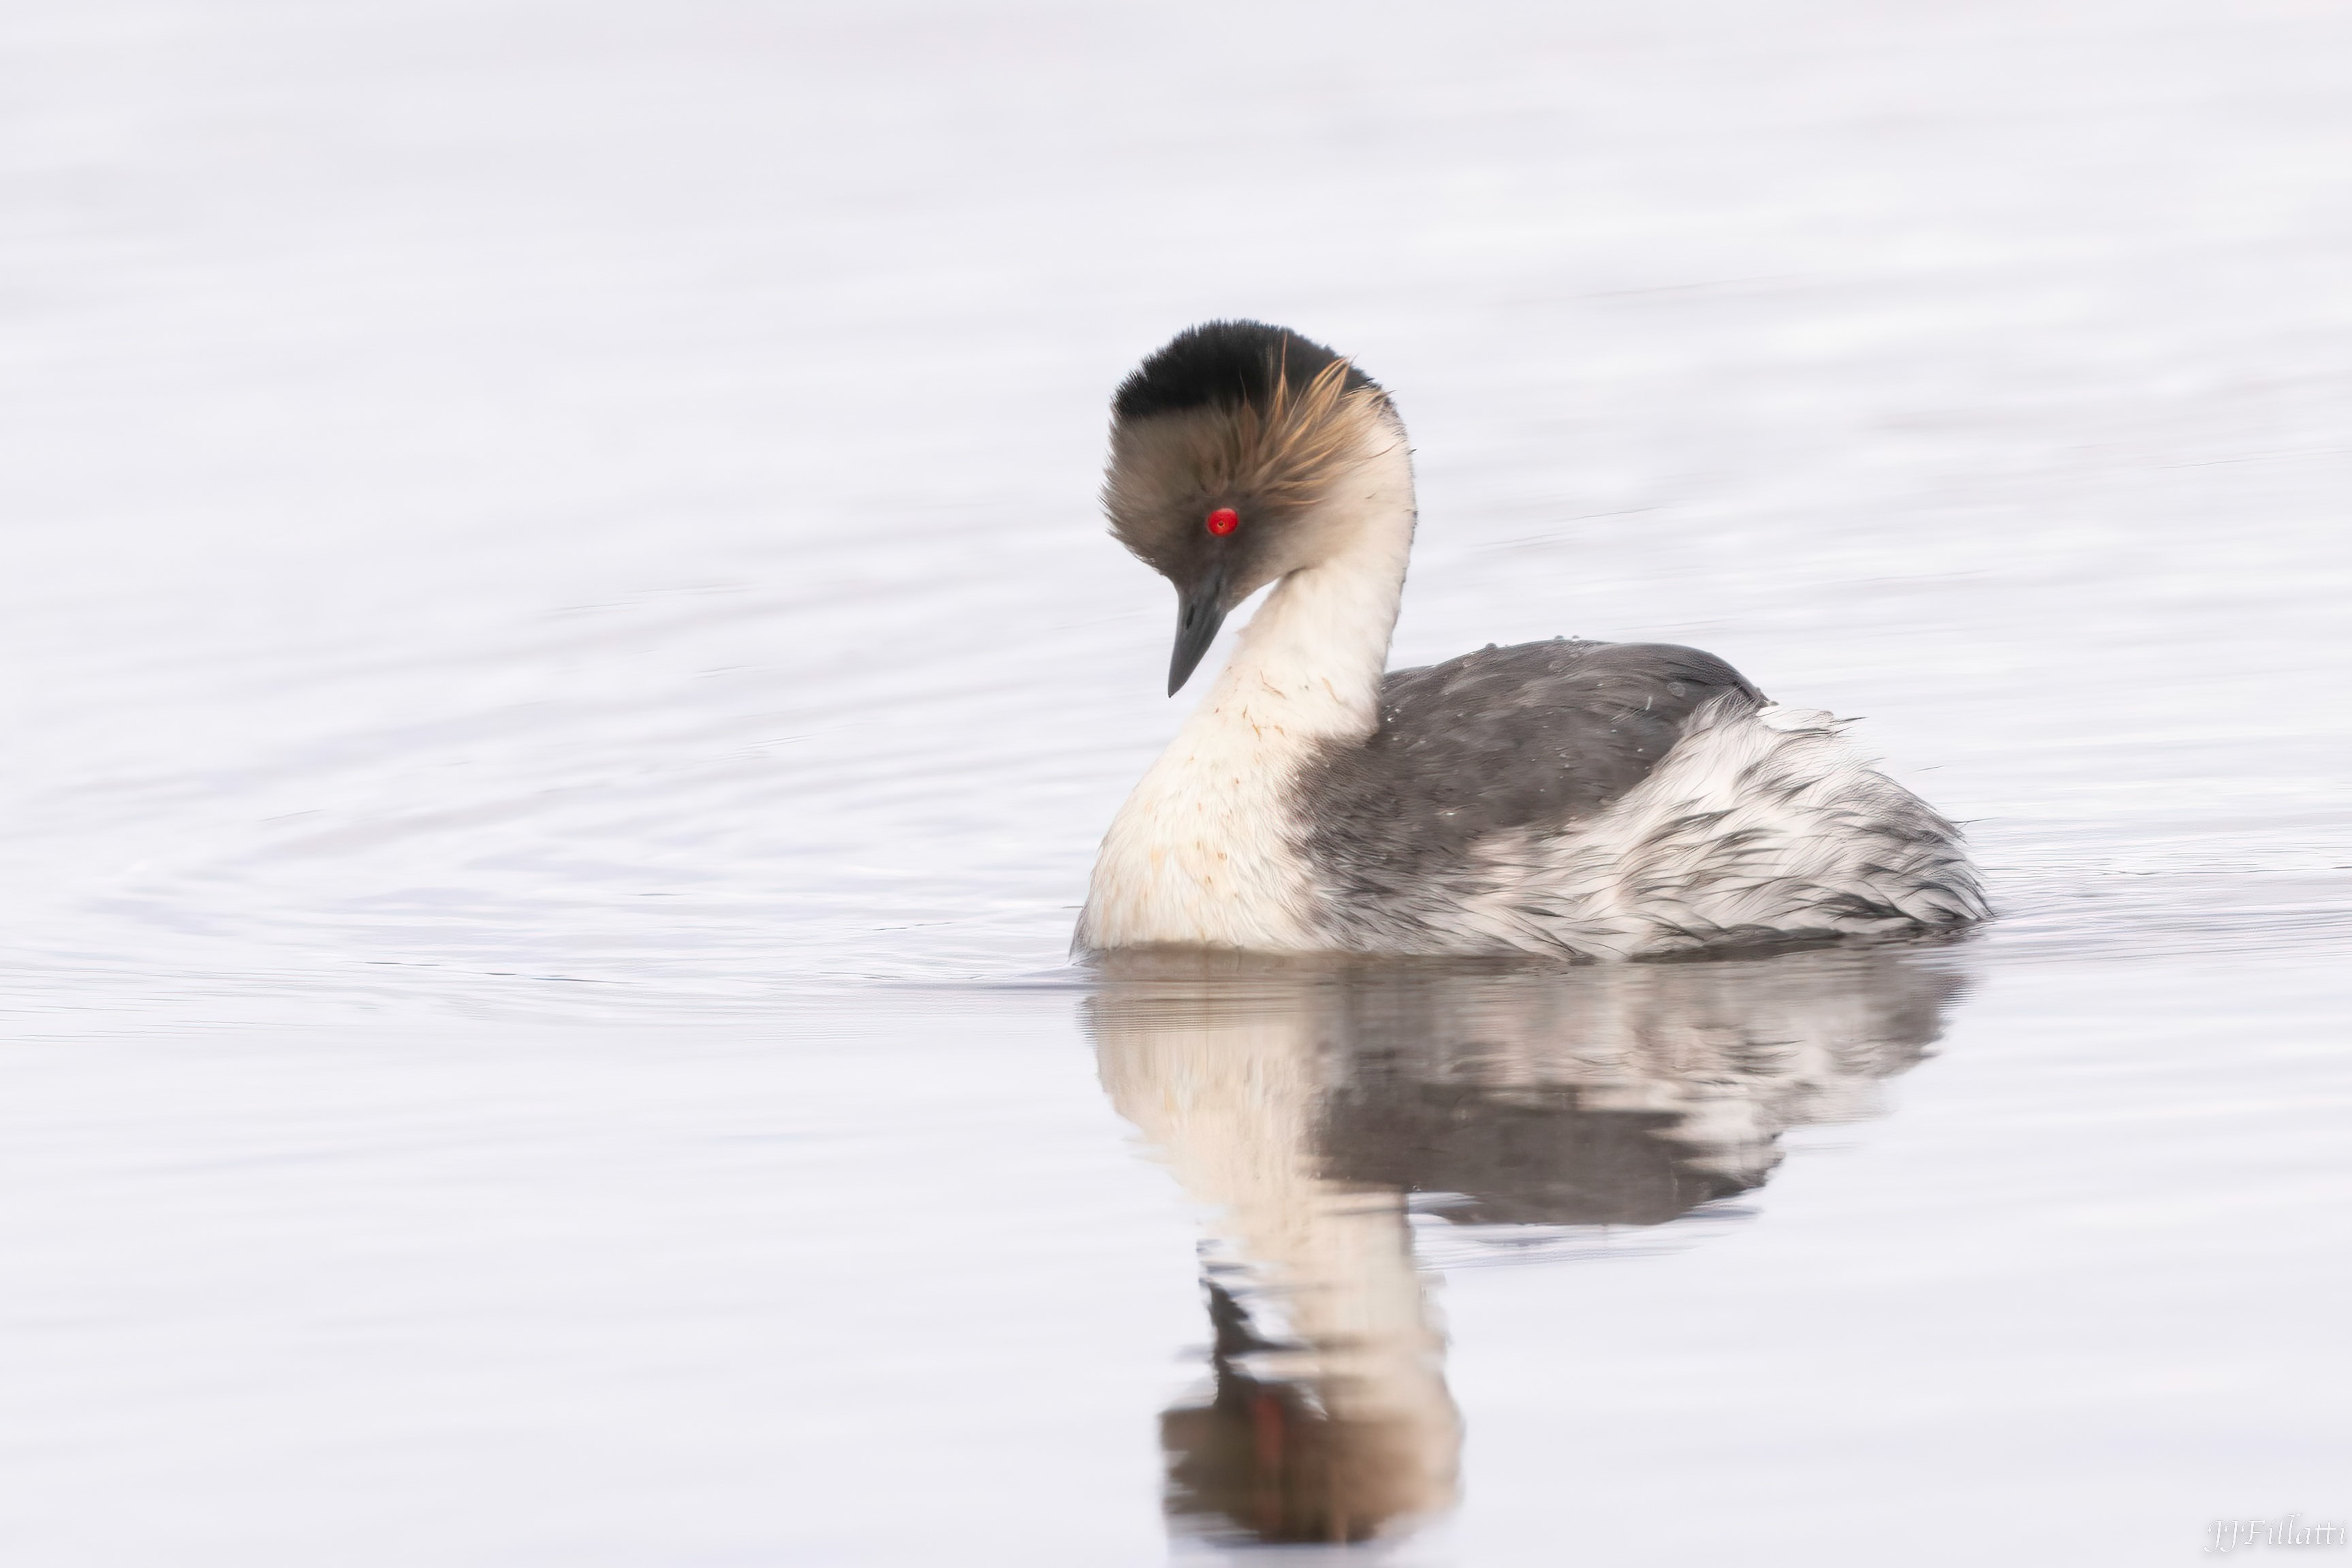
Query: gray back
[1537, 736]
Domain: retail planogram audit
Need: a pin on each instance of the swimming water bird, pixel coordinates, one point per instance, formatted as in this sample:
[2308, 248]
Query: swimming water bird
[1578, 799]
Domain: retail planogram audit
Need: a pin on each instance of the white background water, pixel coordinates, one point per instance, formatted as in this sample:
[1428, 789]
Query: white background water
[548, 570]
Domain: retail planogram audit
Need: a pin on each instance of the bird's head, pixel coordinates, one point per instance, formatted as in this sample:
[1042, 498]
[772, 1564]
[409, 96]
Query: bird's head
[1225, 447]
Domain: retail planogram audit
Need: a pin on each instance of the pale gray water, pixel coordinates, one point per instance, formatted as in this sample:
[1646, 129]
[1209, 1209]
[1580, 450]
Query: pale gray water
[561, 677]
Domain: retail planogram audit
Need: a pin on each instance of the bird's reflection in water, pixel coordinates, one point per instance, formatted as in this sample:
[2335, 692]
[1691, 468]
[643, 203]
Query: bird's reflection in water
[1311, 1107]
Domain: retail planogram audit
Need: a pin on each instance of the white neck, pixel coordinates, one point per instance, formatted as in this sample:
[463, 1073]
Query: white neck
[1201, 852]
[1310, 662]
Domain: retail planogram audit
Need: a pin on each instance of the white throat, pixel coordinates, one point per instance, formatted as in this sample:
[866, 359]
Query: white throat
[1203, 853]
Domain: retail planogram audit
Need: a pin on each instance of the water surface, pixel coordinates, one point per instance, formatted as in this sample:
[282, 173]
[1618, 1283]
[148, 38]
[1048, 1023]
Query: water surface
[561, 676]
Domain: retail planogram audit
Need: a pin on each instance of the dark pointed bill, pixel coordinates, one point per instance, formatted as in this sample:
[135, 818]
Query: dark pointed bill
[1200, 611]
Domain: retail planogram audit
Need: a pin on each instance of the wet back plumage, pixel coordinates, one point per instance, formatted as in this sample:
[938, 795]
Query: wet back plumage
[1539, 736]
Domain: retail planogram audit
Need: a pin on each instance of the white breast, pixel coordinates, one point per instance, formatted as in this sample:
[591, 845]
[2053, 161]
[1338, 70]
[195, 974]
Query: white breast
[1201, 854]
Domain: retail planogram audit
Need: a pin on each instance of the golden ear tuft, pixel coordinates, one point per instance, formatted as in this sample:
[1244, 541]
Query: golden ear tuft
[1288, 454]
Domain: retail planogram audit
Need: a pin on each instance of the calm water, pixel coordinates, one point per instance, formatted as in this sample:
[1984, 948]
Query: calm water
[561, 676]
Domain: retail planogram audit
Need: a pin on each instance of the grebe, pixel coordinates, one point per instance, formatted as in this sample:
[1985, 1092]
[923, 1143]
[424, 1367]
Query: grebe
[1580, 799]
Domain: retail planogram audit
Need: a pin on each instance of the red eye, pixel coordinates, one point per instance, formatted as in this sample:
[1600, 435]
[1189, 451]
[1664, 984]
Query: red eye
[1224, 521]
